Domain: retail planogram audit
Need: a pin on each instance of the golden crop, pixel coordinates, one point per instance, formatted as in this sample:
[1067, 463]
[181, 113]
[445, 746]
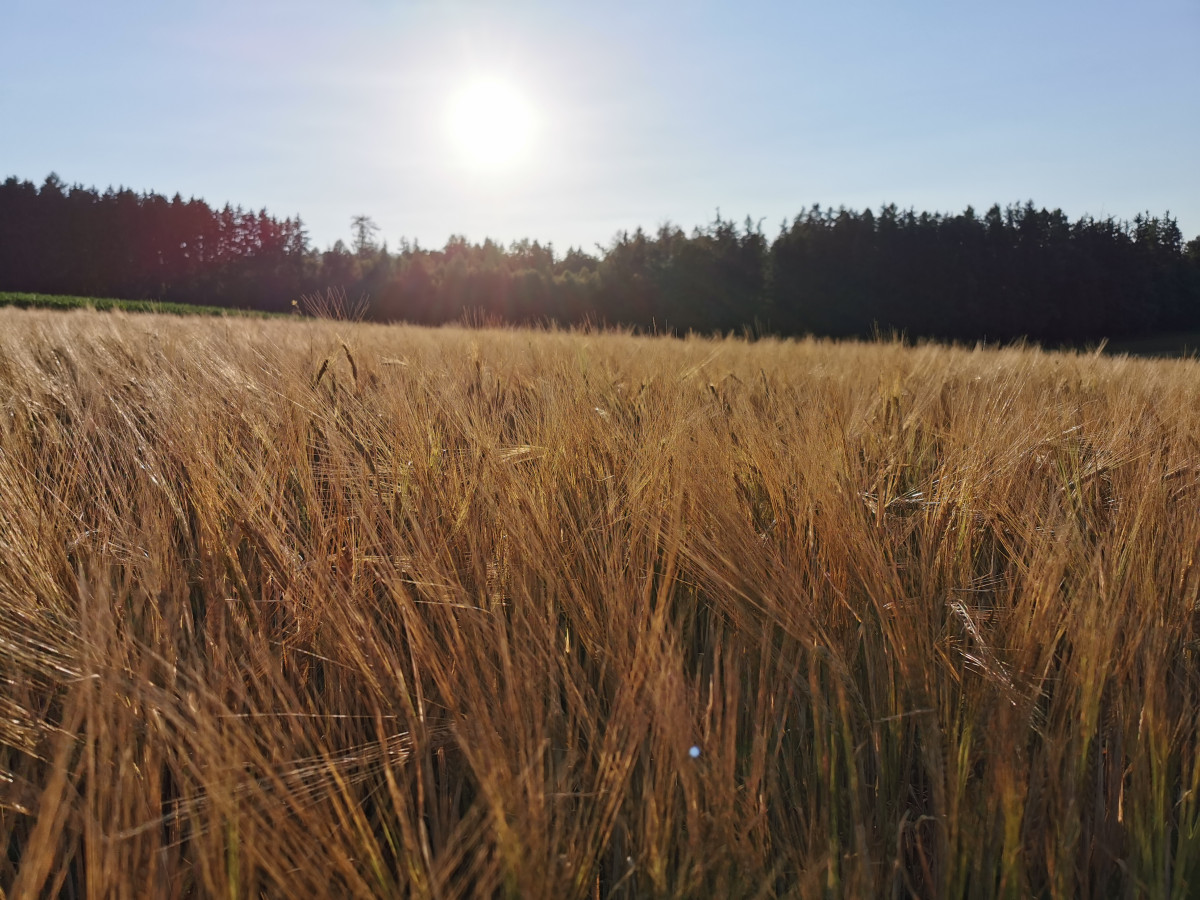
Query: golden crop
[310, 608]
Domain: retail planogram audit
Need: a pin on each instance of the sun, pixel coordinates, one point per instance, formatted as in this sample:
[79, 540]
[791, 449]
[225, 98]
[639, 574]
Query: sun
[492, 125]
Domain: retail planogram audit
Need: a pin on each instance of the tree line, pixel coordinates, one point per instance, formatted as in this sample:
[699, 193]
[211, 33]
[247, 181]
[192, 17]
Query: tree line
[1018, 271]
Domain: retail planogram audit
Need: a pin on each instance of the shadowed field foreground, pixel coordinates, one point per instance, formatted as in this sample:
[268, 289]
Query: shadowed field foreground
[301, 608]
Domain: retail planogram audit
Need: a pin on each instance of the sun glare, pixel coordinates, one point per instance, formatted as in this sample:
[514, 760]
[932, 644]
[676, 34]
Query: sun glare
[492, 125]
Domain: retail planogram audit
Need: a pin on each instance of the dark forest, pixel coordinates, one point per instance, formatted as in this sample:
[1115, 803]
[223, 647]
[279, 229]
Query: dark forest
[1012, 272]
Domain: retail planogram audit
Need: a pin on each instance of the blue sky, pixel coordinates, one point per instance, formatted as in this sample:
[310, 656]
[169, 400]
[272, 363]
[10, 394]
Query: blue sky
[647, 112]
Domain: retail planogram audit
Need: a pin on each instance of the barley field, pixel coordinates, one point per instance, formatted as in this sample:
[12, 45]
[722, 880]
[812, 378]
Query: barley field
[308, 608]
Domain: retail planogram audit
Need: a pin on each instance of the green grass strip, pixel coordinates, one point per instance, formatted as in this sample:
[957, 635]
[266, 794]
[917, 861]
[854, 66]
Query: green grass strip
[58, 301]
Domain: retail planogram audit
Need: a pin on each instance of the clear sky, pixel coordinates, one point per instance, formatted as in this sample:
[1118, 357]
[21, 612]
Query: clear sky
[630, 113]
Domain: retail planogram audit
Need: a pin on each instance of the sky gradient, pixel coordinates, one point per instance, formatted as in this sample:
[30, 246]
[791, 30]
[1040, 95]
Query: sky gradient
[646, 112]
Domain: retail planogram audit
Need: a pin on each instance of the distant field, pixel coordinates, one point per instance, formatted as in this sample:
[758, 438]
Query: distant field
[303, 608]
[1161, 345]
[1164, 345]
[58, 301]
